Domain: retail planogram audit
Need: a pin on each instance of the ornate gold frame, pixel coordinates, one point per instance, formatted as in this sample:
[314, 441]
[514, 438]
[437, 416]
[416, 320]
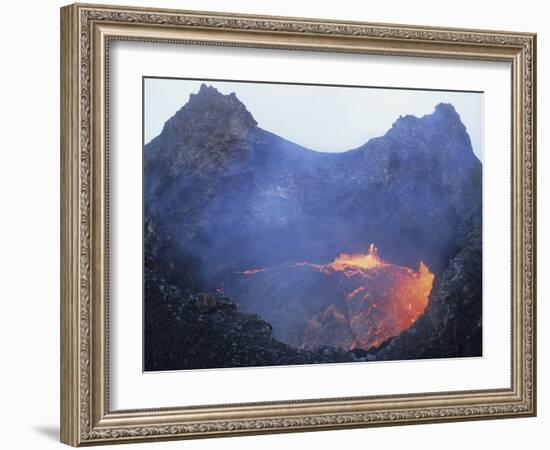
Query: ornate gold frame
[86, 31]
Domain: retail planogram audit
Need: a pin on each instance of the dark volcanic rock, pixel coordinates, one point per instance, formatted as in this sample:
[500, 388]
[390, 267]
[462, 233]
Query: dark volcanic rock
[180, 333]
[210, 123]
[206, 330]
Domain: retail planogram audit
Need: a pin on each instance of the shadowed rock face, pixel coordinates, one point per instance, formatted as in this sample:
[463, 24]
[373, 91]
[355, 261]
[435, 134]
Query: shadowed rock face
[233, 197]
[188, 329]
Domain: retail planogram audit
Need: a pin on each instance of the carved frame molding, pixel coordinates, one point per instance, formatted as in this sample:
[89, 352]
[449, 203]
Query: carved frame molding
[86, 31]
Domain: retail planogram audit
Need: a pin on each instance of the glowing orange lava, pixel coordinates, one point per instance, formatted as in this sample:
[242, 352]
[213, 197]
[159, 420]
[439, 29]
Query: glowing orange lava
[351, 264]
[380, 301]
[359, 261]
[366, 302]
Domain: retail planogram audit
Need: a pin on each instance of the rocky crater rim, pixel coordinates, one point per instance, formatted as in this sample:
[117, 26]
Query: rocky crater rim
[229, 110]
[211, 104]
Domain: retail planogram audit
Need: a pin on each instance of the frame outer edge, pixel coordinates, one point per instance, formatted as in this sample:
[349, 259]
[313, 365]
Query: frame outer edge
[79, 392]
[533, 136]
[69, 337]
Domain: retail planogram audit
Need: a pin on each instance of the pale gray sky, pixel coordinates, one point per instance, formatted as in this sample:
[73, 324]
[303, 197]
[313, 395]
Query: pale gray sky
[322, 118]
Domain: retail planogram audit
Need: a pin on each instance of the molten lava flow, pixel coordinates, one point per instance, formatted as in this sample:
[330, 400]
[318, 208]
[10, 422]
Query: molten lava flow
[346, 262]
[356, 301]
[351, 264]
[414, 292]
[251, 271]
[356, 291]
[379, 301]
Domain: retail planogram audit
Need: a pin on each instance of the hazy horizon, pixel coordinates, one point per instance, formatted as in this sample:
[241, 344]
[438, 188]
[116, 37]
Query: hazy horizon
[343, 118]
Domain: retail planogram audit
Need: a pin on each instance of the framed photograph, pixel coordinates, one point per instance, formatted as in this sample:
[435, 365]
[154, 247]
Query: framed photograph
[274, 224]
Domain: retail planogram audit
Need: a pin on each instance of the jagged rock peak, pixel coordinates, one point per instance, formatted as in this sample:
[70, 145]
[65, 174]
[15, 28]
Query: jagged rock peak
[209, 92]
[448, 109]
[443, 124]
[442, 111]
[210, 108]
